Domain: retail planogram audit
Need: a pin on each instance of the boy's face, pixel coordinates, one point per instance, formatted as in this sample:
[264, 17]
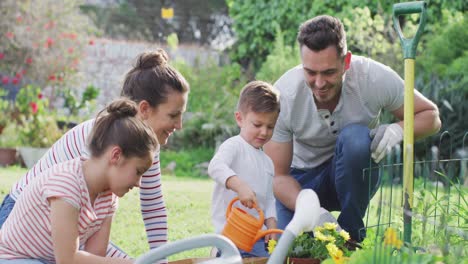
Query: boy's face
[256, 128]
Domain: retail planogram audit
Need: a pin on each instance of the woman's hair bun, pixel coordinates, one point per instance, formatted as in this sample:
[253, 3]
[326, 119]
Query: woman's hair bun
[148, 60]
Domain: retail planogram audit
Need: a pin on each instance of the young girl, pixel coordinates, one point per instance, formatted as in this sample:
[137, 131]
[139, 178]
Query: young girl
[161, 93]
[65, 215]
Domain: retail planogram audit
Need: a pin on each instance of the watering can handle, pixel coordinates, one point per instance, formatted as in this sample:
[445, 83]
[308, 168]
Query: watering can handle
[229, 252]
[263, 233]
[229, 208]
[409, 44]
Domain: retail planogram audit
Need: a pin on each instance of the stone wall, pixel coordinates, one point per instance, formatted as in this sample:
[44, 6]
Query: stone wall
[107, 61]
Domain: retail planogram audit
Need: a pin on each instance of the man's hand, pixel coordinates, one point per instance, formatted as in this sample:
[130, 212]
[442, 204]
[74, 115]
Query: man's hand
[384, 137]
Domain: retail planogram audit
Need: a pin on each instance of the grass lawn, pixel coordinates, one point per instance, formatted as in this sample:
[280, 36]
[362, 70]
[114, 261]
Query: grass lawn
[188, 203]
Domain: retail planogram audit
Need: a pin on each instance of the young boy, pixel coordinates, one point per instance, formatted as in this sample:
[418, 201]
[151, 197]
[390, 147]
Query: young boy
[241, 168]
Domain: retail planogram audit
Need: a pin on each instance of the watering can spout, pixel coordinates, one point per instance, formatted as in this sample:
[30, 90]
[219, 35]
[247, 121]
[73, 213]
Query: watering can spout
[307, 212]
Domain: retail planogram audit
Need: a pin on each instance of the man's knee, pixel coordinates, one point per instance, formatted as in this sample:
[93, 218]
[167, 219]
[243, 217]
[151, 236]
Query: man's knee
[354, 140]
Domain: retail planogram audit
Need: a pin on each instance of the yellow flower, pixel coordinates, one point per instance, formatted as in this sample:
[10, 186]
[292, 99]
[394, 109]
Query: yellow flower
[332, 249]
[318, 229]
[391, 238]
[271, 245]
[330, 226]
[336, 253]
[344, 235]
[320, 236]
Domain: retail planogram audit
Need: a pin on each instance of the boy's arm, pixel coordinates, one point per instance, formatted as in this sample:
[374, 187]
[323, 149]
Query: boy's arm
[65, 238]
[97, 243]
[271, 224]
[246, 195]
[220, 170]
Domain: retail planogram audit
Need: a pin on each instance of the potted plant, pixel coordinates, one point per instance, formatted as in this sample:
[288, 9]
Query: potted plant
[325, 242]
[36, 125]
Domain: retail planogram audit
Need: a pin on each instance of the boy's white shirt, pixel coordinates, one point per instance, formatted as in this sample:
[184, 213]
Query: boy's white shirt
[237, 157]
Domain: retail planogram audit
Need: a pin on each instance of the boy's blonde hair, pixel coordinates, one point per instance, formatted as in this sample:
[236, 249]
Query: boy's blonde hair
[259, 97]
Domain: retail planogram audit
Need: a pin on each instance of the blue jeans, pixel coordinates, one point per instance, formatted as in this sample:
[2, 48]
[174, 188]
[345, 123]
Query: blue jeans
[6, 208]
[340, 182]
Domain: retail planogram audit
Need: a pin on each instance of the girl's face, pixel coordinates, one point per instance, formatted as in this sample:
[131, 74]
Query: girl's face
[167, 117]
[128, 172]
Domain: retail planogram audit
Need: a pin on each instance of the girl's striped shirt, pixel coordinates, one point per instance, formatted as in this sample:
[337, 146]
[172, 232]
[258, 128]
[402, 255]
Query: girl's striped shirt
[27, 230]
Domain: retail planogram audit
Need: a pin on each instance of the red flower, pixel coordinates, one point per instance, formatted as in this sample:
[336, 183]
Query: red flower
[19, 19]
[15, 80]
[5, 80]
[49, 42]
[18, 75]
[9, 34]
[70, 50]
[33, 106]
[2, 55]
[51, 77]
[23, 72]
[49, 25]
[91, 42]
[60, 78]
[28, 60]
[40, 96]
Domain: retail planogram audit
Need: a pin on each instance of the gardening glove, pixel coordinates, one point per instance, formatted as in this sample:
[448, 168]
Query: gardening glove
[384, 137]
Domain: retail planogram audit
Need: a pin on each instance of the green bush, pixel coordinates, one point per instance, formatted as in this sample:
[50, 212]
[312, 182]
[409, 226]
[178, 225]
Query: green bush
[282, 58]
[212, 102]
[186, 161]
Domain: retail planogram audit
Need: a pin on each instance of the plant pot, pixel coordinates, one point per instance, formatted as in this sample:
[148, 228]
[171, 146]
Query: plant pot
[31, 155]
[302, 261]
[8, 156]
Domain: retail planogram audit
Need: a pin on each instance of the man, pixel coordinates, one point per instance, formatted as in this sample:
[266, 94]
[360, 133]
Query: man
[322, 139]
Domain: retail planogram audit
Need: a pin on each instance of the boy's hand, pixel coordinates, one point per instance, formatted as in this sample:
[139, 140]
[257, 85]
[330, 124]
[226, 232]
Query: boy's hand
[247, 196]
[271, 237]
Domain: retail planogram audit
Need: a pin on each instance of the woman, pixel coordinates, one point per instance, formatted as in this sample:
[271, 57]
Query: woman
[161, 94]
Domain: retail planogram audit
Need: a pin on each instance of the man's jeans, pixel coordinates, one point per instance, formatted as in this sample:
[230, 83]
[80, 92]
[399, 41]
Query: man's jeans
[340, 182]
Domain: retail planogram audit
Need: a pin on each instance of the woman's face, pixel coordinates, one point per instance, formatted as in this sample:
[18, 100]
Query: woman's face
[167, 117]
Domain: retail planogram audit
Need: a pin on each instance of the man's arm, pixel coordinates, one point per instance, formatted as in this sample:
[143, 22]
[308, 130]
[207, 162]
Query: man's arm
[426, 123]
[285, 187]
[426, 116]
